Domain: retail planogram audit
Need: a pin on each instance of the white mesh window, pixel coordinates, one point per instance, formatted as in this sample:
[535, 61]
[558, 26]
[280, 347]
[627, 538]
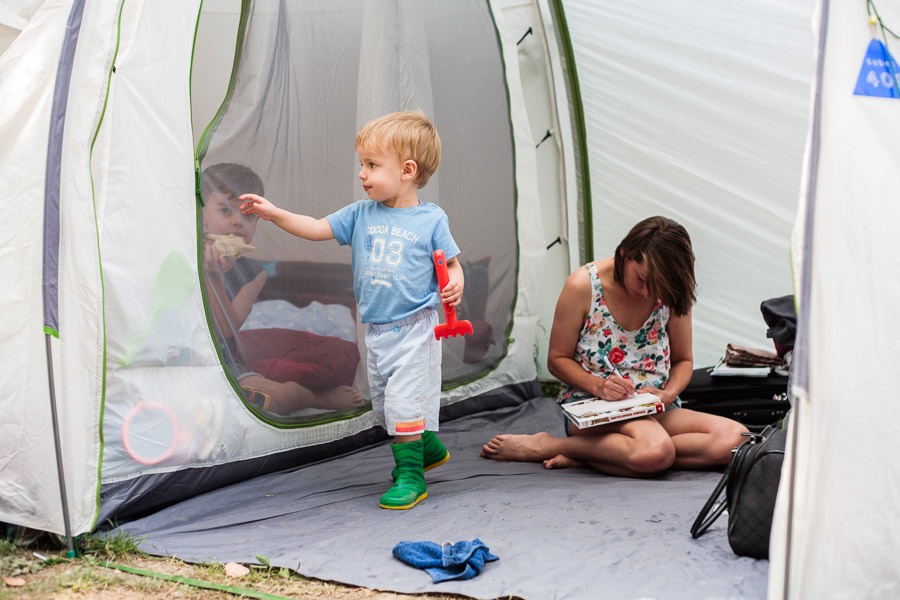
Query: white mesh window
[308, 75]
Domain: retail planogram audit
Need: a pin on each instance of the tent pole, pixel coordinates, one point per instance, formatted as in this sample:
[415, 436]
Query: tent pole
[70, 545]
[51, 229]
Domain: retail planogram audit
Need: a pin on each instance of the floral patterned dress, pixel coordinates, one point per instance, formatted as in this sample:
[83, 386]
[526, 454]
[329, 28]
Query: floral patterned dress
[641, 355]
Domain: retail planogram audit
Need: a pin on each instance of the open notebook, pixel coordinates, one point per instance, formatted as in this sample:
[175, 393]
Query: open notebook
[594, 411]
[723, 370]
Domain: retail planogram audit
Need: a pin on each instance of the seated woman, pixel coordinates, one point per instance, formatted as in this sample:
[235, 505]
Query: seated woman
[234, 282]
[635, 310]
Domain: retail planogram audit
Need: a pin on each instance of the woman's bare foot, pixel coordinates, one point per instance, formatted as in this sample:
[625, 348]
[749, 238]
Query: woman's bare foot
[525, 448]
[561, 461]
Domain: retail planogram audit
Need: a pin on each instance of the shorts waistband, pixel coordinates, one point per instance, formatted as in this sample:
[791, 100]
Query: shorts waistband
[422, 315]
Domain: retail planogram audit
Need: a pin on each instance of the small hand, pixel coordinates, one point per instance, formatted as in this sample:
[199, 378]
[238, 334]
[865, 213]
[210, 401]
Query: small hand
[452, 293]
[215, 263]
[257, 205]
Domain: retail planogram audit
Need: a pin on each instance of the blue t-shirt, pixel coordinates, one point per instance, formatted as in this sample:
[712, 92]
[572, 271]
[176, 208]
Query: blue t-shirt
[393, 256]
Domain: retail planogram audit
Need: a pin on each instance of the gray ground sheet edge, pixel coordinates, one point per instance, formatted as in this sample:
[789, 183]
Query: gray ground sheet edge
[560, 534]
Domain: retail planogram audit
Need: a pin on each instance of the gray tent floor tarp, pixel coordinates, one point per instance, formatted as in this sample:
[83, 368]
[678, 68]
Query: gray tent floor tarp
[559, 534]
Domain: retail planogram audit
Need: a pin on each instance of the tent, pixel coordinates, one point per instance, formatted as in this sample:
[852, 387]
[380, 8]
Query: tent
[562, 123]
[840, 456]
[145, 395]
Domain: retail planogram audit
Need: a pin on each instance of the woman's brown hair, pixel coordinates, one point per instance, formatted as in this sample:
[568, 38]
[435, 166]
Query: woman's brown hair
[663, 246]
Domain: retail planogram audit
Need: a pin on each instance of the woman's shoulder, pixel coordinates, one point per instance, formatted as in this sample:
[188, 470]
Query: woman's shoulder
[585, 274]
[580, 278]
[581, 281]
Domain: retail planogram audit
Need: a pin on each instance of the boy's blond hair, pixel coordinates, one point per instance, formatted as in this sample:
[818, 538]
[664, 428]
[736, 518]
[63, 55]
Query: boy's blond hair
[408, 134]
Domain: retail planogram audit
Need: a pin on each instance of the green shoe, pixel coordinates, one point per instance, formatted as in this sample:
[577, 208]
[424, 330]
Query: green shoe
[409, 489]
[434, 453]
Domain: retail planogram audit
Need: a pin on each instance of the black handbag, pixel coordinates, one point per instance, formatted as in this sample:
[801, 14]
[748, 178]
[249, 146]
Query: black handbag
[750, 483]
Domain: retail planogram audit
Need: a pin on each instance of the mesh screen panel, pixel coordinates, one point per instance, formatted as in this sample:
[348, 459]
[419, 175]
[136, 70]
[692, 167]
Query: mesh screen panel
[308, 75]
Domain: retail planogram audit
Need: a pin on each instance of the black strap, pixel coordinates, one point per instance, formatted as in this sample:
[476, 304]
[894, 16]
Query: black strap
[705, 519]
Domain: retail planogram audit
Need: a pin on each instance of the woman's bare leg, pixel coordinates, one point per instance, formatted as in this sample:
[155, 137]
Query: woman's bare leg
[636, 448]
[701, 440]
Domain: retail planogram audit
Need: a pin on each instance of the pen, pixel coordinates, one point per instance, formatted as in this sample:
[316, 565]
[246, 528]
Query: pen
[611, 366]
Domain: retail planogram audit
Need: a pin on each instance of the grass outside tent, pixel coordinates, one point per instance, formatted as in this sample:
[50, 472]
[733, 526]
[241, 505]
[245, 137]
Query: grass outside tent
[33, 567]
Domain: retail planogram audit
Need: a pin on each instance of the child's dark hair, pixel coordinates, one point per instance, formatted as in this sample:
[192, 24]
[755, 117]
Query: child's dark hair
[663, 246]
[230, 179]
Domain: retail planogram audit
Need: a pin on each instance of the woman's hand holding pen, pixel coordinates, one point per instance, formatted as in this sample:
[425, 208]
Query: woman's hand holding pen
[616, 388]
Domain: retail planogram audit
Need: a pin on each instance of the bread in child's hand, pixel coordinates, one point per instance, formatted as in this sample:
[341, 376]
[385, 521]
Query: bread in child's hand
[230, 246]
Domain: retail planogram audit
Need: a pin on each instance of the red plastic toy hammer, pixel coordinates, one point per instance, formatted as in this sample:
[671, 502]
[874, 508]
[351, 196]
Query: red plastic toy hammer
[451, 327]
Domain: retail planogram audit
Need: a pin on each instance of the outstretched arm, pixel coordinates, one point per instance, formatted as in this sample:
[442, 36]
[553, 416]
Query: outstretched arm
[453, 291]
[303, 226]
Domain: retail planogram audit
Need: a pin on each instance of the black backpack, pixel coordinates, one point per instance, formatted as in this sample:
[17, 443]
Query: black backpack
[751, 484]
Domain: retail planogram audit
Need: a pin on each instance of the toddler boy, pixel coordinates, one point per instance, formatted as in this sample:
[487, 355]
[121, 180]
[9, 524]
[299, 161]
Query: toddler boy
[393, 237]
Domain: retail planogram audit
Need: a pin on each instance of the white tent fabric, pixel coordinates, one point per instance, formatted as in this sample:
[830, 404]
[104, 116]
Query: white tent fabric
[14, 17]
[28, 465]
[697, 111]
[836, 532]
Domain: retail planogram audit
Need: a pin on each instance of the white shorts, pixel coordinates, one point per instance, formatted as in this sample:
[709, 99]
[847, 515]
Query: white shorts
[404, 368]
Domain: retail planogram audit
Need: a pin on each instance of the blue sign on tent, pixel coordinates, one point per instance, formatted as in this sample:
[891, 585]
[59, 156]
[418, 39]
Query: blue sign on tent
[879, 72]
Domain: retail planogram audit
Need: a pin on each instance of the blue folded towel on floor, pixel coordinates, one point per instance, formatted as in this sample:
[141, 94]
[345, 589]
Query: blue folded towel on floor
[462, 560]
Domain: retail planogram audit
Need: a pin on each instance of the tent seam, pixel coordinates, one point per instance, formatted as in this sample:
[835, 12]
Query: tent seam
[574, 87]
[110, 71]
